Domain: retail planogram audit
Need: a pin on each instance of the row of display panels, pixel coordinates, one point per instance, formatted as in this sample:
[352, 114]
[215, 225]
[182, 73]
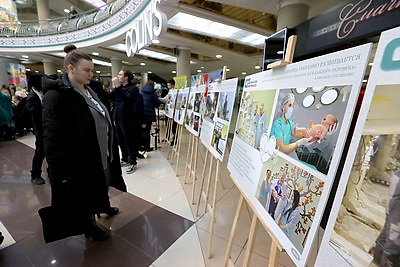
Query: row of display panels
[289, 181]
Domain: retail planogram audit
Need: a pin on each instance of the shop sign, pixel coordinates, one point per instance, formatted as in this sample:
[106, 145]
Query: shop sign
[148, 26]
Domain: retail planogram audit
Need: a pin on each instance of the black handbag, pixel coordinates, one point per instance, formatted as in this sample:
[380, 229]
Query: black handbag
[59, 224]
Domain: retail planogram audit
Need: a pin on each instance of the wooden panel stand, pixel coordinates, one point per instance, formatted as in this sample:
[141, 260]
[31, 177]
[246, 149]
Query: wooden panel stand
[292, 40]
[191, 163]
[168, 133]
[276, 247]
[175, 152]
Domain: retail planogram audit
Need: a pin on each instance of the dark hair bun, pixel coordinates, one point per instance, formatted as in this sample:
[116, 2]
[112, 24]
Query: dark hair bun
[69, 48]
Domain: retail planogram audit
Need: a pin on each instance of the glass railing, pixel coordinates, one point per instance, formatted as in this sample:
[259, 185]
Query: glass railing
[63, 24]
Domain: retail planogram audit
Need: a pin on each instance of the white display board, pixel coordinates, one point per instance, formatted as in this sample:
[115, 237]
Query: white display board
[379, 110]
[193, 111]
[181, 105]
[170, 105]
[321, 89]
[217, 114]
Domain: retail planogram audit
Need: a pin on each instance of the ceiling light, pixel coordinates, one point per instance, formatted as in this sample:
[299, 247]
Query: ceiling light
[174, 71]
[36, 71]
[25, 56]
[308, 101]
[149, 72]
[142, 64]
[218, 56]
[228, 69]
[95, 61]
[257, 67]
[66, 10]
[155, 41]
[95, 53]
[58, 71]
[279, 52]
[97, 71]
[28, 69]
[198, 70]
[364, 81]
[370, 64]
[201, 67]
[244, 73]
[190, 23]
[95, 3]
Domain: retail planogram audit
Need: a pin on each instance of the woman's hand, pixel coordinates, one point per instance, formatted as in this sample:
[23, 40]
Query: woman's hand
[304, 142]
[332, 129]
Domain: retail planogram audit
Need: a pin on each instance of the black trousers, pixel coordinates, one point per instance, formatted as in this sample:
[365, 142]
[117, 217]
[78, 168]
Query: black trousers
[38, 157]
[127, 141]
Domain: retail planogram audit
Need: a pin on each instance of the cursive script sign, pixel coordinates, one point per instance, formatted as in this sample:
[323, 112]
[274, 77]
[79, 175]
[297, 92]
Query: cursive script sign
[352, 14]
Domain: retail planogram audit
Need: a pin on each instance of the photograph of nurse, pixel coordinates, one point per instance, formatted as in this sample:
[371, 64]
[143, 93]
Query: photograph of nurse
[291, 116]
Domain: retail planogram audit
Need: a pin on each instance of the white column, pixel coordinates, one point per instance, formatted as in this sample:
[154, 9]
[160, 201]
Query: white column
[43, 10]
[292, 13]
[183, 63]
[49, 67]
[116, 66]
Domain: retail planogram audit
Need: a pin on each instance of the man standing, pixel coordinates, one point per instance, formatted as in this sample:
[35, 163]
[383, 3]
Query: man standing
[128, 117]
[34, 105]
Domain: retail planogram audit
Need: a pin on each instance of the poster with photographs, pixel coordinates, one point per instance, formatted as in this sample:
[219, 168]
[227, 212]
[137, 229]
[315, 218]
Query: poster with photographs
[218, 106]
[170, 105]
[193, 112]
[289, 137]
[180, 82]
[181, 105]
[357, 232]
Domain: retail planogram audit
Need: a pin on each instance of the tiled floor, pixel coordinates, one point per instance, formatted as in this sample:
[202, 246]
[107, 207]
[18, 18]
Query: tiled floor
[157, 225]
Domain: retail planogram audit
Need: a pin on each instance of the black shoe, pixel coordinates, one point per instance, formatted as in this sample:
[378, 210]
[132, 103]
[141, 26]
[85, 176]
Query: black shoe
[110, 212]
[38, 180]
[140, 156]
[96, 234]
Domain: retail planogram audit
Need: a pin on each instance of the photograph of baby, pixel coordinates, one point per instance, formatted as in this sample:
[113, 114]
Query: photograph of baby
[211, 106]
[290, 195]
[219, 137]
[224, 103]
[254, 116]
[196, 123]
[307, 121]
[181, 103]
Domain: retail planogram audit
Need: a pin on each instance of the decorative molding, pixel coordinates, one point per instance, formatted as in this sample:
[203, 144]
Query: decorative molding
[92, 35]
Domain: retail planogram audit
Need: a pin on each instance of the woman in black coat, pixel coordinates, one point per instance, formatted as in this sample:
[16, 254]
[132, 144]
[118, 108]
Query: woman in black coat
[78, 145]
[150, 102]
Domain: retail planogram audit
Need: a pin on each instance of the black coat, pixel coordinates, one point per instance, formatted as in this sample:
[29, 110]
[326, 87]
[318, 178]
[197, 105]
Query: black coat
[34, 105]
[150, 100]
[72, 151]
[128, 105]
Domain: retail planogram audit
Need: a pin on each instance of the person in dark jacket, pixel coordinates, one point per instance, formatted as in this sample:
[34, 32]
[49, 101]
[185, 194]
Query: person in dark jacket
[128, 117]
[34, 105]
[78, 148]
[150, 100]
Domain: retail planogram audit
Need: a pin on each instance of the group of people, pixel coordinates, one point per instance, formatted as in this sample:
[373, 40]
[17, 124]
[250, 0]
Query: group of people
[78, 128]
[275, 199]
[14, 115]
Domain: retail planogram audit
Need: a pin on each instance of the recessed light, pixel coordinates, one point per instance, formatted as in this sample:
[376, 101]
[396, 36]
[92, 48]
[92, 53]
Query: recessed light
[66, 10]
[257, 67]
[228, 69]
[97, 71]
[36, 71]
[201, 67]
[58, 71]
[28, 69]
[25, 56]
[364, 81]
[370, 64]
[198, 70]
[142, 64]
[244, 73]
[95, 53]
[149, 72]
[156, 41]
[279, 52]
[174, 71]
[218, 56]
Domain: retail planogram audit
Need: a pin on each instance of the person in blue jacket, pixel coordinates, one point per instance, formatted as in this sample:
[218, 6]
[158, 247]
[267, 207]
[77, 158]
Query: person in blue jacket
[150, 102]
